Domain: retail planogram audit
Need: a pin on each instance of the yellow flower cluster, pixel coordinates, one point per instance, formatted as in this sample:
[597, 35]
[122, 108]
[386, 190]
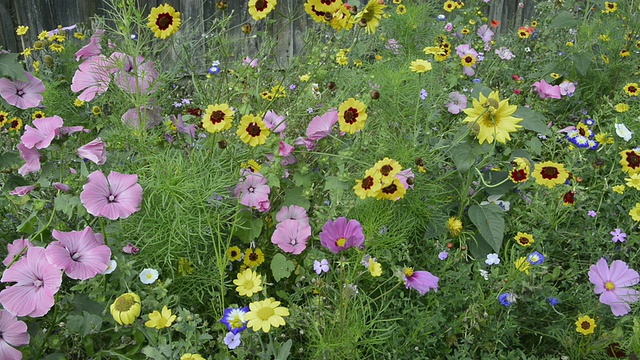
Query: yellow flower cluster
[384, 181]
[441, 51]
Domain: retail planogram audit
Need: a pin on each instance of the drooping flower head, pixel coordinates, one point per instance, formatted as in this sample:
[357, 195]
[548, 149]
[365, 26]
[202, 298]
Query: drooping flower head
[291, 236]
[549, 174]
[164, 21]
[23, 95]
[339, 235]
[126, 308]
[614, 284]
[114, 197]
[36, 283]
[422, 281]
[492, 118]
[217, 118]
[14, 333]
[259, 9]
[352, 116]
[264, 314]
[41, 136]
[252, 130]
[233, 319]
[81, 254]
[95, 151]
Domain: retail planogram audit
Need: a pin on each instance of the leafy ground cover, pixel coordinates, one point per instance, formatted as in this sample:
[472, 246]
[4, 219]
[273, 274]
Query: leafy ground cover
[414, 184]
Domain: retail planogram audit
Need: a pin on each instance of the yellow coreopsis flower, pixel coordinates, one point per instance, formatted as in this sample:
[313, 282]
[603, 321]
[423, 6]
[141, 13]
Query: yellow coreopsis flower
[492, 118]
[352, 116]
[164, 21]
[160, 320]
[585, 325]
[259, 9]
[549, 174]
[253, 130]
[370, 185]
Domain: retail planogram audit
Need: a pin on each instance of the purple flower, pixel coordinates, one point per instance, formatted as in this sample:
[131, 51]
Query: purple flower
[253, 190]
[232, 340]
[233, 319]
[485, 33]
[31, 157]
[181, 127]
[404, 177]
[95, 151]
[546, 90]
[552, 301]
[251, 62]
[81, 254]
[592, 213]
[614, 285]
[443, 255]
[22, 190]
[62, 187]
[133, 76]
[504, 53]
[115, 197]
[93, 48]
[320, 126]
[423, 94]
[293, 212]
[36, 283]
[457, 103]
[14, 333]
[339, 235]
[535, 258]
[41, 136]
[130, 249]
[291, 236]
[152, 113]
[274, 122]
[618, 235]
[422, 281]
[23, 95]
[320, 266]
[15, 248]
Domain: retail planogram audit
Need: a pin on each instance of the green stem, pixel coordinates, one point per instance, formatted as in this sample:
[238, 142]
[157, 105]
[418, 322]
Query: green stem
[49, 330]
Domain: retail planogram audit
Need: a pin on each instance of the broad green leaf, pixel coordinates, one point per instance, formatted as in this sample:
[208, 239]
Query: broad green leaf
[302, 180]
[9, 66]
[9, 160]
[281, 267]
[534, 145]
[498, 177]
[334, 183]
[582, 61]
[489, 219]
[532, 120]
[563, 19]
[247, 228]
[295, 197]
[479, 247]
[84, 324]
[463, 157]
[28, 226]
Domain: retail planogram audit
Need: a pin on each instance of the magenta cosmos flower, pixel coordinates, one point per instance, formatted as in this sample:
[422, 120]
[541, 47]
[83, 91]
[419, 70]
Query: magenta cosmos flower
[95, 151]
[93, 76]
[43, 133]
[291, 236]
[339, 235]
[36, 282]
[115, 197]
[81, 254]
[614, 285]
[23, 95]
[253, 191]
[422, 281]
[14, 333]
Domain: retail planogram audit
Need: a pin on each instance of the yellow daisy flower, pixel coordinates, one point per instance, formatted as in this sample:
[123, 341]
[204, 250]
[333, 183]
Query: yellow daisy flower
[524, 239]
[630, 161]
[217, 118]
[253, 258]
[352, 116]
[164, 21]
[585, 325]
[549, 174]
[420, 66]
[264, 314]
[632, 89]
[455, 226]
[248, 283]
[635, 212]
[160, 320]
[259, 9]
[370, 16]
[370, 185]
[492, 118]
[252, 130]
[126, 308]
[22, 30]
[393, 191]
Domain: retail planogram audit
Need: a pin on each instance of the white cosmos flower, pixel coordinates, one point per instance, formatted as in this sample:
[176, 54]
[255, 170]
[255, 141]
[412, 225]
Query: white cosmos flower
[623, 132]
[148, 276]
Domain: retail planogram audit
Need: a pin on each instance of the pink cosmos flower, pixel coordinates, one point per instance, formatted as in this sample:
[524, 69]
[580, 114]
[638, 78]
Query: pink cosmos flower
[275, 122]
[32, 158]
[457, 103]
[41, 136]
[36, 282]
[293, 212]
[422, 281]
[133, 76]
[251, 62]
[320, 126]
[485, 33]
[22, 190]
[340, 235]
[81, 254]
[465, 49]
[14, 333]
[567, 88]
[93, 48]
[93, 76]
[614, 285]
[253, 191]
[16, 248]
[23, 95]
[115, 197]
[291, 236]
[96, 151]
[546, 90]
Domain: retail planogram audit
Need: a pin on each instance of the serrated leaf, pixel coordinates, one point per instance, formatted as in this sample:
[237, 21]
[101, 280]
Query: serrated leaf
[563, 19]
[9, 66]
[489, 219]
[281, 267]
[532, 120]
[333, 183]
[302, 180]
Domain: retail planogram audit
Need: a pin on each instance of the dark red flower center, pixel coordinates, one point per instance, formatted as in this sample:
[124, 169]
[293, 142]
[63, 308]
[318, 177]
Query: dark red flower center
[390, 189]
[569, 198]
[261, 5]
[523, 240]
[233, 253]
[20, 92]
[15, 124]
[585, 325]
[632, 89]
[386, 170]
[519, 175]
[633, 159]
[351, 116]
[367, 183]
[164, 20]
[253, 257]
[253, 129]
[582, 132]
[318, 13]
[217, 116]
[549, 172]
[468, 59]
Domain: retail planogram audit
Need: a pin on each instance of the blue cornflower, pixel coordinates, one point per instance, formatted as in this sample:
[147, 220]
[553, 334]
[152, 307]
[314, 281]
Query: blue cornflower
[535, 258]
[233, 318]
[589, 122]
[552, 301]
[504, 299]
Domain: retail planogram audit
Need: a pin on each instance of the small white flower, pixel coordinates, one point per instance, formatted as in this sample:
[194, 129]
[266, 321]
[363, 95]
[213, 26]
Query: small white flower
[623, 132]
[111, 266]
[484, 274]
[148, 276]
[492, 259]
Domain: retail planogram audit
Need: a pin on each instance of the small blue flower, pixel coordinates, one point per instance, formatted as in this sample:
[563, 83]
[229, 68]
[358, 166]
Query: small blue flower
[441, 17]
[232, 340]
[443, 255]
[233, 319]
[134, 36]
[423, 94]
[552, 301]
[535, 258]
[504, 299]
[213, 70]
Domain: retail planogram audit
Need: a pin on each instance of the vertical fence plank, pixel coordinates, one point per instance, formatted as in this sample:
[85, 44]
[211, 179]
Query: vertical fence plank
[36, 14]
[7, 27]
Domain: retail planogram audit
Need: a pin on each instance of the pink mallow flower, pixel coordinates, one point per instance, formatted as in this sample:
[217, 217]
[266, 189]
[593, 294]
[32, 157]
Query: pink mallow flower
[95, 151]
[614, 285]
[81, 254]
[93, 76]
[285, 149]
[23, 95]
[293, 212]
[23, 190]
[31, 157]
[115, 197]
[404, 177]
[16, 248]
[251, 62]
[41, 136]
[151, 113]
[320, 126]
[485, 33]
[14, 333]
[457, 102]
[422, 281]
[93, 48]
[274, 122]
[546, 90]
[253, 191]
[291, 236]
[133, 76]
[36, 283]
[339, 235]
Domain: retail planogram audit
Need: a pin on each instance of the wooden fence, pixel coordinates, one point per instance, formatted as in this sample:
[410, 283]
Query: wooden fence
[42, 15]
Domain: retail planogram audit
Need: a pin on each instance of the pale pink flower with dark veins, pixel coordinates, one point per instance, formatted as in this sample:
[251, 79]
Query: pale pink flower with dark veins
[253, 190]
[32, 158]
[457, 103]
[274, 122]
[96, 151]
[133, 76]
[93, 76]
[23, 190]
[41, 136]
[14, 333]
[15, 248]
[320, 126]
[291, 236]
[23, 95]
[614, 285]
[36, 283]
[93, 48]
[115, 197]
[81, 254]
[293, 212]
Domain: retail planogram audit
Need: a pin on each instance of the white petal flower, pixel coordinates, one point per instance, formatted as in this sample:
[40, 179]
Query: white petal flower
[148, 276]
[623, 132]
[111, 266]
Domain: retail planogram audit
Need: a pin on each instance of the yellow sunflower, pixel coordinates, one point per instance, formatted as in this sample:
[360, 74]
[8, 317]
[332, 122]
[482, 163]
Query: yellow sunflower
[259, 9]
[164, 21]
[420, 66]
[252, 130]
[217, 118]
[524, 239]
[126, 308]
[492, 118]
[352, 116]
[160, 320]
[549, 174]
[585, 325]
[369, 18]
[248, 283]
[264, 314]
[370, 185]
[630, 161]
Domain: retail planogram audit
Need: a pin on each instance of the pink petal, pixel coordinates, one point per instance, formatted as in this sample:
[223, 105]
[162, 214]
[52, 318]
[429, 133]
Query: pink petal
[621, 275]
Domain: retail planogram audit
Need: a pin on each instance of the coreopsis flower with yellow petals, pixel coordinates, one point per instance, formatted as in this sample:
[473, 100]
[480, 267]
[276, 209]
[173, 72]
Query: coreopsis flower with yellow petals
[253, 130]
[259, 9]
[632, 89]
[370, 16]
[164, 21]
[352, 115]
[549, 174]
[22, 30]
[585, 325]
[630, 161]
[392, 191]
[217, 118]
[492, 118]
[370, 185]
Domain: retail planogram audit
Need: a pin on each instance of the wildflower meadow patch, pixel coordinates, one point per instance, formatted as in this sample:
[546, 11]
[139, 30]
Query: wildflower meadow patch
[418, 182]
